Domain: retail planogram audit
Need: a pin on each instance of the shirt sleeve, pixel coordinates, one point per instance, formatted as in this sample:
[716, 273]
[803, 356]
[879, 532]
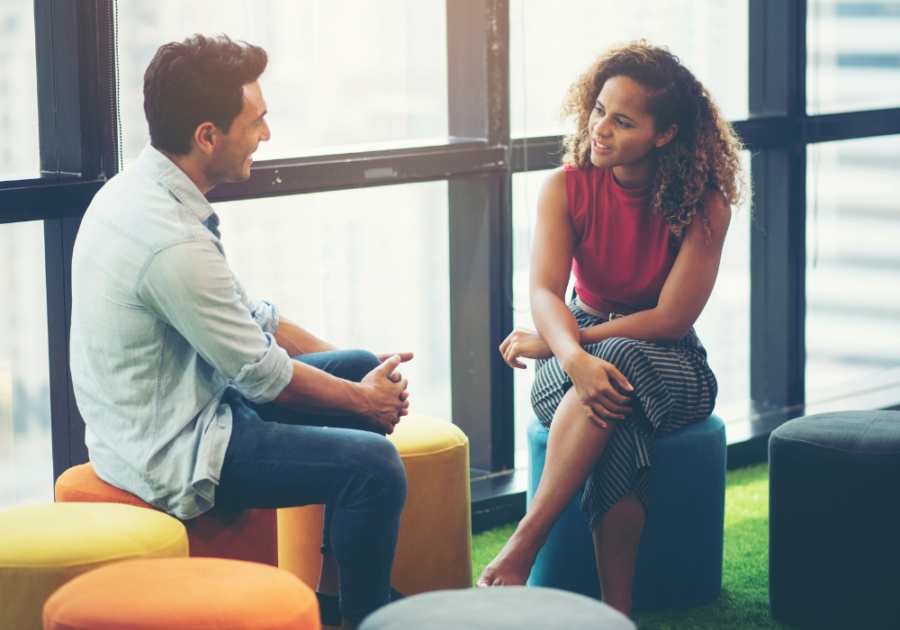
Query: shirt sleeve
[264, 313]
[190, 287]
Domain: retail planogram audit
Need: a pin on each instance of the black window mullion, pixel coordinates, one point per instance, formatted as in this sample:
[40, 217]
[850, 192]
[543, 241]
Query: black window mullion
[67, 425]
[480, 227]
[778, 244]
[73, 141]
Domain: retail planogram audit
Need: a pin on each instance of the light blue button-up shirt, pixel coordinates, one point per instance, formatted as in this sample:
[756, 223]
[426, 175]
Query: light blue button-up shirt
[160, 328]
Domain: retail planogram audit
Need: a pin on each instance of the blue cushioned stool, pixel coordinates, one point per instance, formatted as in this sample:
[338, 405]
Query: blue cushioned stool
[834, 520]
[679, 562]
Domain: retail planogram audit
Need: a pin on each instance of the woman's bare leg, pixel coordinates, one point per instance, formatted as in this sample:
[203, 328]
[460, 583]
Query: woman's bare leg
[616, 540]
[573, 447]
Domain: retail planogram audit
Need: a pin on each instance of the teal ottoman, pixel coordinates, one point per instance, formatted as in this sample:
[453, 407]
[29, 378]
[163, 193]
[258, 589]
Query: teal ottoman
[679, 562]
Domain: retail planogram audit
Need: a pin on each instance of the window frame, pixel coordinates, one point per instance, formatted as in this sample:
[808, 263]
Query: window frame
[79, 152]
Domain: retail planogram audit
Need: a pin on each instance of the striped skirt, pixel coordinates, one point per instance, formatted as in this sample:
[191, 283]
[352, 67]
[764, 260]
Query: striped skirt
[673, 386]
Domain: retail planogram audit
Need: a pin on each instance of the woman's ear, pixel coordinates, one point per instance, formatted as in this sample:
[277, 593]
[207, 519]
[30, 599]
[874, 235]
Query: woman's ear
[664, 138]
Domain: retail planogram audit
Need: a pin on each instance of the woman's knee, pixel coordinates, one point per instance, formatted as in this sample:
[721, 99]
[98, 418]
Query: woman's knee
[616, 350]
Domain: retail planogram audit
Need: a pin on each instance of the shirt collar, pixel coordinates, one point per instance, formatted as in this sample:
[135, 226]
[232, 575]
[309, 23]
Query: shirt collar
[167, 173]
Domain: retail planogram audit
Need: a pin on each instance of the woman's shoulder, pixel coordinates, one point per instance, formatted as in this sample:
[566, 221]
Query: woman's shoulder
[554, 187]
[718, 210]
[717, 217]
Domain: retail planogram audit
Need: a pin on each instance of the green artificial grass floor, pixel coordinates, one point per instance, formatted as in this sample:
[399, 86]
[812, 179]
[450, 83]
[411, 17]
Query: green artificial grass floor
[744, 602]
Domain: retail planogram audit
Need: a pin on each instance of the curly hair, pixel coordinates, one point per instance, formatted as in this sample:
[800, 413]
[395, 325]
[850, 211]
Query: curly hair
[195, 81]
[703, 155]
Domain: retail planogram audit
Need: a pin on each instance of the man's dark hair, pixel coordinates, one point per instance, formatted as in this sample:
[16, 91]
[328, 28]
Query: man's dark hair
[198, 80]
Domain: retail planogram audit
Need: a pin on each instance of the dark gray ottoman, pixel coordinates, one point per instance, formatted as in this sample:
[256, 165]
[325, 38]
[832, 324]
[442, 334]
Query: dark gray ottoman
[500, 608]
[834, 520]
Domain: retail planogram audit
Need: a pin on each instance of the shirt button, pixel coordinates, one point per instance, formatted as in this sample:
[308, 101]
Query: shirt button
[221, 426]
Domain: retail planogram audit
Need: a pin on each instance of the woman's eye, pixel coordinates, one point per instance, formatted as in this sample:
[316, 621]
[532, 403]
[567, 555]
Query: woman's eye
[623, 124]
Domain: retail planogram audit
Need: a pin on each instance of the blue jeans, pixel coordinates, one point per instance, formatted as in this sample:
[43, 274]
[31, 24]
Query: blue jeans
[279, 458]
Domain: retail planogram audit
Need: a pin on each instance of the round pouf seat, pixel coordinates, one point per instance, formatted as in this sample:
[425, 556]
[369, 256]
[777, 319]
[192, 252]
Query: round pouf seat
[183, 594]
[679, 561]
[44, 546]
[434, 550]
[834, 520]
[249, 535]
[506, 608]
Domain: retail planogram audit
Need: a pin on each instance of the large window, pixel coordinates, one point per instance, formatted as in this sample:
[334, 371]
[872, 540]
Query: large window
[18, 89]
[853, 268]
[342, 75]
[394, 206]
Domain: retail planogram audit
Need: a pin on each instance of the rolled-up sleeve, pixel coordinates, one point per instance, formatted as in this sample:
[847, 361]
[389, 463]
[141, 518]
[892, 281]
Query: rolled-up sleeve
[190, 287]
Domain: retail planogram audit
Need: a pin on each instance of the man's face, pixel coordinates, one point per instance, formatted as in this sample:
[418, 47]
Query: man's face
[232, 156]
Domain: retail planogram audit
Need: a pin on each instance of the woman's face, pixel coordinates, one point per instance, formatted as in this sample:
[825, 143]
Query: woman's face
[623, 134]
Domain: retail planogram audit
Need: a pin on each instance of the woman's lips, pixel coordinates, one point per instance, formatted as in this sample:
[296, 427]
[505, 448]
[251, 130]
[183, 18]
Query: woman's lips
[597, 148]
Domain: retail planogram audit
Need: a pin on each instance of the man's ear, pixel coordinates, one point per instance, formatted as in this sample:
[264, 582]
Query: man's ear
[664, 138]
[205, 137]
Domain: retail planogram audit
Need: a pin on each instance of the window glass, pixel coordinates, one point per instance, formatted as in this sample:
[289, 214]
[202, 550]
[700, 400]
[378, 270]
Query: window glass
[18, 89]
[26, 457]
[853, 55]
[723, 327]
[526, 188]
[853, 269]
[341, 73]
[365, 268]
[552, 44]
[724, 324]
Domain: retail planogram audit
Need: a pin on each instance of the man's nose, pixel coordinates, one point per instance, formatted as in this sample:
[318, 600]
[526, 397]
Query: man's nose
[267, 133]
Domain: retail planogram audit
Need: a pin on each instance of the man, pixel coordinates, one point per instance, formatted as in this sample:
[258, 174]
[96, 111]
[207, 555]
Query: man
[186, 384]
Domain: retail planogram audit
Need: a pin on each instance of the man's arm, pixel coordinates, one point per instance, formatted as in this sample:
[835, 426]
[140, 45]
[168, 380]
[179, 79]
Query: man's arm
[206, 307]
[378, 399]
[298, 341]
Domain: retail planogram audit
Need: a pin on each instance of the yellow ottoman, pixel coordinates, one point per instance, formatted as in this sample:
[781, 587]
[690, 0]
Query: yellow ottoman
[44, 546]
[434, 551]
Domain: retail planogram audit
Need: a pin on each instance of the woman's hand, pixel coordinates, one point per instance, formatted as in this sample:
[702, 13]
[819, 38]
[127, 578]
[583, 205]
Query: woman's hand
[601, 388]
[525, 344]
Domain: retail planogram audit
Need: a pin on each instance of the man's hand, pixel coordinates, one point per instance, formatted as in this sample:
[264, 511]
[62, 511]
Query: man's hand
[603, 390]
[525, 344]
[386, 398]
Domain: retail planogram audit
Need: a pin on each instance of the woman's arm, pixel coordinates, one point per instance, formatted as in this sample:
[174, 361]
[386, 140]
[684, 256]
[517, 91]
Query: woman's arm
[685, 291]
[551, 265]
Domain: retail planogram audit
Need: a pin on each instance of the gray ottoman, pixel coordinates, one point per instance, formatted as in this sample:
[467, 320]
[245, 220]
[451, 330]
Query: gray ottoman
[500, 608]
[834, 520]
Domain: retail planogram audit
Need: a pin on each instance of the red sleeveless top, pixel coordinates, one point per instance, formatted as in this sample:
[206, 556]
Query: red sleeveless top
[623, 251]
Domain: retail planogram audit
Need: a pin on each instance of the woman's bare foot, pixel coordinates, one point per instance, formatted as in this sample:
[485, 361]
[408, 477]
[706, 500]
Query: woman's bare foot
[512, 566]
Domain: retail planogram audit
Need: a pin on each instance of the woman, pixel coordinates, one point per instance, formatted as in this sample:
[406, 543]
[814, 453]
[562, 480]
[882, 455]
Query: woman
[639, 214]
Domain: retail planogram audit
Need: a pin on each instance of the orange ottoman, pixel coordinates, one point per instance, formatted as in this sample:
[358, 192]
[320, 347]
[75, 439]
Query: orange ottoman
[183, 594]
[252, 535]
